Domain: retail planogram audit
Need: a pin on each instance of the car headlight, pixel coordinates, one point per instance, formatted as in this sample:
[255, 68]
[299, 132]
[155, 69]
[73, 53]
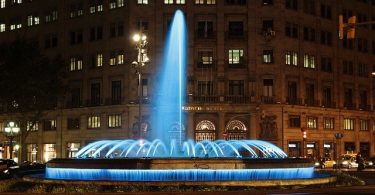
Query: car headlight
[6, 171]
[345, 162]
[370, 163]
[317, 164]
[334, 163]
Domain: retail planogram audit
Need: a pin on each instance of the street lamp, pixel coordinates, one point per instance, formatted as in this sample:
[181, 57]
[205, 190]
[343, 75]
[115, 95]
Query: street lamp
[10, 132]
[140, 41]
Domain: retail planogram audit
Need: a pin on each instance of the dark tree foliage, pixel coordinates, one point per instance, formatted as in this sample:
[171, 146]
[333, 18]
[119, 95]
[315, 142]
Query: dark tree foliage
[30, 83]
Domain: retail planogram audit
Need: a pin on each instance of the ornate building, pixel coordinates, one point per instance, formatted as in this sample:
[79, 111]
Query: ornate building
[261, 69]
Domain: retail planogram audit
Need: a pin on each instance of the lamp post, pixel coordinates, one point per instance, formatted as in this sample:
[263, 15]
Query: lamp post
[140, 41]
[10, 132]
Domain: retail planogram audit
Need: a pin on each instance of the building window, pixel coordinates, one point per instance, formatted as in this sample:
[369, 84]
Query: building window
[49, 125]
[51, 16]
[235, 2]
[96, 33]
[291, 4]
[267, 87]
[202, 2]
[236, 88]
[75, 100]
[49, 152]
[116, 29]
[2, 3]
[72, 149]
[114, 121]
[32, 152]
[73, 123]
[2, 27]
[328, 123]
[99, 60]
[326, 64]
[96, 6]
[205, 30]
[235, 58]
[294, 121]
[348, 124]
[174, 1]
[267, 56]
[363, 125]
[116, 92]
[235, 29]
[326, 38]
[309, 61]
[309, 34]
[205, 59]
[205, 130]
[347, 67]
[291, 58]
[32, 126]
[76, 63]
[312, 122]
[205, 88]
[93, 122]
[327, 97]
[50, 41]
[309, 7]
[291, 30]
[32, 20]
[348, 97]
[76, 37]
[363, 70]
[326, 11]
[116, 3]
[142, 2]
[95, 94]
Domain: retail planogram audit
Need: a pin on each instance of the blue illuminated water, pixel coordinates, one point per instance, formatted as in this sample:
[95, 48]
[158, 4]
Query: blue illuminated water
[180, 174]
[170, 86]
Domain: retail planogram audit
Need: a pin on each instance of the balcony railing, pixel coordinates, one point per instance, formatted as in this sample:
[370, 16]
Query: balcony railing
[237, 99]
[311, 102]
[73, 104]
[236, 35]
[267, 99]
[350, 106]
[328, 104]
[94, 102]
[209, 35]
[113, 101]
[206, 99]
[206, 65]
[294, 100]
[365, 107]
[219, 99]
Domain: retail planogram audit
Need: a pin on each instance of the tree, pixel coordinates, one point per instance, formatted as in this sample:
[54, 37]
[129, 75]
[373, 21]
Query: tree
[30, 83]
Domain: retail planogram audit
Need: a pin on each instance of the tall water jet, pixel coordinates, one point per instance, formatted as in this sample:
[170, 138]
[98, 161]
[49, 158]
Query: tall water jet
[167, 118]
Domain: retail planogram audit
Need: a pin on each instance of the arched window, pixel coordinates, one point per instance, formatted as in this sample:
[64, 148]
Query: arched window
[235, 130]
[205, 130]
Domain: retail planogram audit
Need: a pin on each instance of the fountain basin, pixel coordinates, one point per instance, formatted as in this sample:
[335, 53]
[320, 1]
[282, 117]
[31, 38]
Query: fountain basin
[179, 169]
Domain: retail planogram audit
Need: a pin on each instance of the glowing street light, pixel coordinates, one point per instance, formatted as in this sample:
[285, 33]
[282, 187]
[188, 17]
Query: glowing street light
[140, 41]
[10, 132]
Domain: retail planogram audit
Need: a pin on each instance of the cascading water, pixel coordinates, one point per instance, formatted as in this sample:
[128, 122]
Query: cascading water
[168, 157]
[167, 119]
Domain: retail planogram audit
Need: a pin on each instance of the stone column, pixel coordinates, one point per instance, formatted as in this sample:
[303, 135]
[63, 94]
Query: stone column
[254, 126]
[190, 129]
[221, 126]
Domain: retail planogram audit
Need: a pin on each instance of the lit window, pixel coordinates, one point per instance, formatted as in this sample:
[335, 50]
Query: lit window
[328, 123]
[32, 20]
[312, 122]
[267, 56]
[235, 56]
[76, 64]
[208, 2]
[348, 124]
[363, 125]
[32, 126]
[291, 58]
[112, 59]
[180, 1]
[12, 26]
[112, 4]
[120, 58]
[32, 152]
[144, 2]
[309, 61]
[18, 26]
[114, 120]
[49, 152]
[168, 1]
[2, 27]
[99, 60]
[2, 3]
[120, 3]
[54, 15]
[72, 149]
[49, 125]
[93, 122]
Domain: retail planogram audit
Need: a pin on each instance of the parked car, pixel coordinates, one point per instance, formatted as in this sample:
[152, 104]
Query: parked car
[26, 168]
[348, 161]
[5, 165]
[369, 162]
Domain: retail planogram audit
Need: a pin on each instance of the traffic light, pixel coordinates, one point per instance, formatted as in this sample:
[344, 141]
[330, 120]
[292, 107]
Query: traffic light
[341, 27]
[351, 27]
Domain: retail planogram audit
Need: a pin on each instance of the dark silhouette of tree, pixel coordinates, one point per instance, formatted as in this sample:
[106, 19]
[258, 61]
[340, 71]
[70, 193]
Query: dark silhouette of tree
[30, 83]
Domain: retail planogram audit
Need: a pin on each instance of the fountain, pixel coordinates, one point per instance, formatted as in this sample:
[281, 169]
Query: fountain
[171, 160]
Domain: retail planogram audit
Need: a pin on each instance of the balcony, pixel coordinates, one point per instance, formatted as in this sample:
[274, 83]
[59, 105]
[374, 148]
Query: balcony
[267, 99]
[113, 101]
[94, 102]
[328, 104]
[209, 35]
[73, 104]
[365, 107]
[294, 100]
[206, 65]
[311, 102]
[237, 99]
[350, 105]
[206, 99]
